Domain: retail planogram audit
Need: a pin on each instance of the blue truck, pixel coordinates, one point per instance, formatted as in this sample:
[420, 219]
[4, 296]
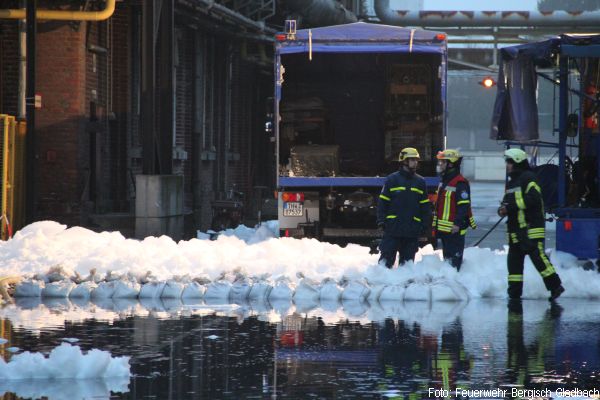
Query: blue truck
[570, 187]
[347, 99]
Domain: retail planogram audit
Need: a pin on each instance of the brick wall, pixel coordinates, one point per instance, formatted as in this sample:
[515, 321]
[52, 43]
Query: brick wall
[61, 120]
[83, 76]
[88, 129]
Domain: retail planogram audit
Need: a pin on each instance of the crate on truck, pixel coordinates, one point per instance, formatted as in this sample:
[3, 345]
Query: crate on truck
[347, 99]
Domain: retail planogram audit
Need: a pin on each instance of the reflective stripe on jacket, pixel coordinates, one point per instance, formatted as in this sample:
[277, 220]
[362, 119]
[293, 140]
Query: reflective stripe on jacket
[525, 205]
[404, 207]
[453, 205]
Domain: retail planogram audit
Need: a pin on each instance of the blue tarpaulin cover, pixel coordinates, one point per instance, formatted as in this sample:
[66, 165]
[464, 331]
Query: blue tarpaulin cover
[371, 37]
[515, 115]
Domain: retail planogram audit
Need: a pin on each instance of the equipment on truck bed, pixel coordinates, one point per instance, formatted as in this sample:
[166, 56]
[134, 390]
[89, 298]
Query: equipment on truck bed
[347, 99]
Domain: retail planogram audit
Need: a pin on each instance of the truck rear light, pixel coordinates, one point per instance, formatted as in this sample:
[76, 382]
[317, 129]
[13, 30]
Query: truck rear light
[440, 36]
[568, 225]
[291, 196]
[280, 37]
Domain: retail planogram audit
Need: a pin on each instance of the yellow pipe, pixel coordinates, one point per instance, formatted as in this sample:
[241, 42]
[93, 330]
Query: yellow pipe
[7, 122]
[62, 15]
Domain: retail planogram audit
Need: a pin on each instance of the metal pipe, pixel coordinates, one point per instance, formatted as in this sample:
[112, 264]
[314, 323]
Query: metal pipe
[22, 66]
[563, 111]
[483, 18]
[540, 33]
[63, 15]
[486, 41]
[148, 100]
[228, 115]
[211, 5]
[472, 65]
[319, 12]
[166, 86]
[30, 142]
[193, 19]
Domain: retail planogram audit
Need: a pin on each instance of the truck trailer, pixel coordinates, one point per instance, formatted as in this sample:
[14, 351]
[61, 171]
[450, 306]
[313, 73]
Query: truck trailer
[347, 99]
[570, 189]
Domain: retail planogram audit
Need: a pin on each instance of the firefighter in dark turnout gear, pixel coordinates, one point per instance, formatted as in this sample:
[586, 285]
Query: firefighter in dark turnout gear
[403, 210]
[524, 206]
[453, 213]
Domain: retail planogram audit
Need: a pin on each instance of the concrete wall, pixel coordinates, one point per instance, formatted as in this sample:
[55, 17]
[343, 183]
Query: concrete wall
[159, 206]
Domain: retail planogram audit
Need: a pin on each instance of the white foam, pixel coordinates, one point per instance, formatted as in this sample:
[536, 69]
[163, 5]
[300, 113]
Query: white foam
[280, 263]
[64, 362]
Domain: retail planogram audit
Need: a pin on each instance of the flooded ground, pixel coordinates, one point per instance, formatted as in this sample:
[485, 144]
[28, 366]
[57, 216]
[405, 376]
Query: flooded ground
[286, 351]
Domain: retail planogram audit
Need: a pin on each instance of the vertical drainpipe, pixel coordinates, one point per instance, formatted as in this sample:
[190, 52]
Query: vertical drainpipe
[445, 91]
[563, 110]
[276, 99]
[22, 65]
[228, 115]
[166, 73]
[199, 130]
[30, 146]
[148, 93]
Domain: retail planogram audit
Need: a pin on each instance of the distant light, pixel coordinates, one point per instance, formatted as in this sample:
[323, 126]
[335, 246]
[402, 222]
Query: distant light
[487, 82]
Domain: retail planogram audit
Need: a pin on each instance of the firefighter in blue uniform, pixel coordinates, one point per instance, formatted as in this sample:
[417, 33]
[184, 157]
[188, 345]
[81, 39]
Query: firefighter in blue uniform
[452, 215]
[403, 210]
[524, 206]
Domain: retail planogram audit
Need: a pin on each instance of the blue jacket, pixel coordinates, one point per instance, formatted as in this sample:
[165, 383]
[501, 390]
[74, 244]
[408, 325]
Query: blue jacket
[404, 209]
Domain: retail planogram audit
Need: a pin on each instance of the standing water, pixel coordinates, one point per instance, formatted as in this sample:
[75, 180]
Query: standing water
[287, 350]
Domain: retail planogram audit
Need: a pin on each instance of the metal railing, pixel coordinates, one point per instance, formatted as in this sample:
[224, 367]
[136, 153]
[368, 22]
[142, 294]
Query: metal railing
[12, 174]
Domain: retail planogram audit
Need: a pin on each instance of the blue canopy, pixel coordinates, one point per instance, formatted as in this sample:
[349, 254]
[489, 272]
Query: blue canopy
[515, 115]
[542, 53]
[365, 37]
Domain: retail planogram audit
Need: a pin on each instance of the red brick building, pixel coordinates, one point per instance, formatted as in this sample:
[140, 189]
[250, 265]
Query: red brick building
[90, 129]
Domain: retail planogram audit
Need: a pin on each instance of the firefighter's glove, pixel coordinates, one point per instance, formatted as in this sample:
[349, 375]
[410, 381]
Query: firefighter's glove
[502, 211]
[455, 229]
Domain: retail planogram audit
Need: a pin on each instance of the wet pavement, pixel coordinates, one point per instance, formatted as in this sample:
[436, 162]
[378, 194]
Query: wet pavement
[344, 350]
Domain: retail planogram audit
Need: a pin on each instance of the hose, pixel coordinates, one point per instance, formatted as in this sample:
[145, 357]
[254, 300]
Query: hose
[487, 233]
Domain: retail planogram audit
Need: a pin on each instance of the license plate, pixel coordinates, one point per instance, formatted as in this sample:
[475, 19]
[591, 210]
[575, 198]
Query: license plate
[292, 209]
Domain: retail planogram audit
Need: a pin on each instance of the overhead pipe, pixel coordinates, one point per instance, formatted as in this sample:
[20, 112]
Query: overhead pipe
[211, 5]
[540, 33]
[63, 15]
[484, 18]
[316, 13]
[472, 65]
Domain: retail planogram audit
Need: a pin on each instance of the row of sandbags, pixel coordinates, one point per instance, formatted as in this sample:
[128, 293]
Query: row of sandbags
[440, 289]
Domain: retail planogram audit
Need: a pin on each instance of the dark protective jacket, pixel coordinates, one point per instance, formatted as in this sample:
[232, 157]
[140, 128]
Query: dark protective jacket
[404, 209]
[525, 205]
[453, 204]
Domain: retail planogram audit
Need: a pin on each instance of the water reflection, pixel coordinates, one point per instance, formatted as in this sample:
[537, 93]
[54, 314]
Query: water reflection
[328, 350]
